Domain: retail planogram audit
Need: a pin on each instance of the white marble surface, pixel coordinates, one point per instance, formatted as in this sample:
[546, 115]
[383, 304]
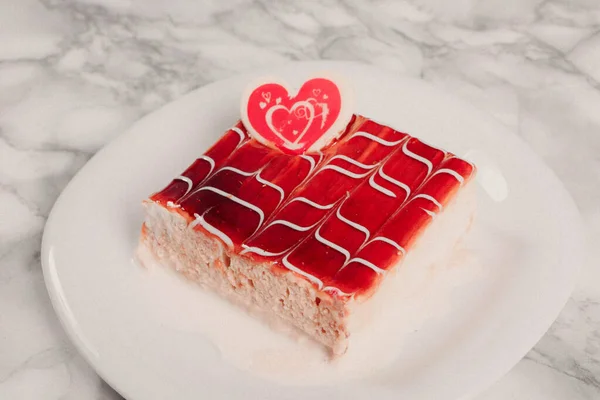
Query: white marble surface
[75, 73]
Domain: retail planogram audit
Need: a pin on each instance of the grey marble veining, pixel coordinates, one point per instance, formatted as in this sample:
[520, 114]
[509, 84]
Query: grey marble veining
[76, 73]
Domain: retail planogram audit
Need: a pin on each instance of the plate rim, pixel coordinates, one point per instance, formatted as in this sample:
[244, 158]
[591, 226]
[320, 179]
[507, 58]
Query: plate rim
[61, 309]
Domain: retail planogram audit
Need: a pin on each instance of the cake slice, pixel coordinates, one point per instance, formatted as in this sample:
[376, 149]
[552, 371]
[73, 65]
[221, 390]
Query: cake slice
[311, 238]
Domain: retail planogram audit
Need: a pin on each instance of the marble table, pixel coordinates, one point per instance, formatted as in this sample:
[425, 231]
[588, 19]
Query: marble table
[74, 74]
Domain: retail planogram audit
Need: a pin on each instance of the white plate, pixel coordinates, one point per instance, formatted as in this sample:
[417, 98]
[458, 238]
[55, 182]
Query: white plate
[142, 333]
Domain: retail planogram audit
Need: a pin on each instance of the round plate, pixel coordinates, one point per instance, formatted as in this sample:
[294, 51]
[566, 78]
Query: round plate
[141, 334]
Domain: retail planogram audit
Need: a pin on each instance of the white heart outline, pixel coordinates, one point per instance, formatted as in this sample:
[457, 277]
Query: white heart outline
[301, 103]
[336, 129]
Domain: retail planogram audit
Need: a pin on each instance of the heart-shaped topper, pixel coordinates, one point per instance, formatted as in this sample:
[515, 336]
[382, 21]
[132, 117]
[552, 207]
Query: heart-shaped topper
[295, 124]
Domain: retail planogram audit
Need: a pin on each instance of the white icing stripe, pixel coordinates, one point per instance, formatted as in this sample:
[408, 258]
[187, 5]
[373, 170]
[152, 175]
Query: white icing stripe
[258, 178]
[259, 251]
[428, 197]
[188, 181]
[240, 133]
[208, 160]
[391, 180]
[310, 160]
[448, 171]
[173, 205]
[334, 246]
[312, 203]
[353, 162]
[352, 223]
[231, 197]
[417, 157]
[380, 188]
[394, 181]
[336, 290]
[367, 264]
[211, 162]
[220, 234]
[377, 139]
[272, 185]
[291, 225]
[232, 169]
[237, 171]
[297, 270]
[430, 213]
[344, 171]
[388, 241]
[321, 155]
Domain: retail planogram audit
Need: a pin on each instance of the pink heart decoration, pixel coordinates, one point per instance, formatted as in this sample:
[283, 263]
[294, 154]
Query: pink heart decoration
[306, 122]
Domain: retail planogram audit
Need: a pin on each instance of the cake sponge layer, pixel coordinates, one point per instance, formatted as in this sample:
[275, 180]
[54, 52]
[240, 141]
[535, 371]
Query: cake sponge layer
[273, 291]
[279, 294]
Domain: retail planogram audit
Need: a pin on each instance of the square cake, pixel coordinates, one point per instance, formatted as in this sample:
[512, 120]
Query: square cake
[310, 239]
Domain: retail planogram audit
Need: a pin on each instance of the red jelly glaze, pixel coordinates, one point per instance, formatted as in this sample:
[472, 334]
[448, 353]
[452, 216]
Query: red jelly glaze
[201, 168]
[366, 206]
[326, 187]
[321, 215]
[403, 228]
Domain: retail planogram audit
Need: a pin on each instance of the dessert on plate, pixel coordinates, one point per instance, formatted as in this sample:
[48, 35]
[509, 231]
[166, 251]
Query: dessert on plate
[305, 210]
